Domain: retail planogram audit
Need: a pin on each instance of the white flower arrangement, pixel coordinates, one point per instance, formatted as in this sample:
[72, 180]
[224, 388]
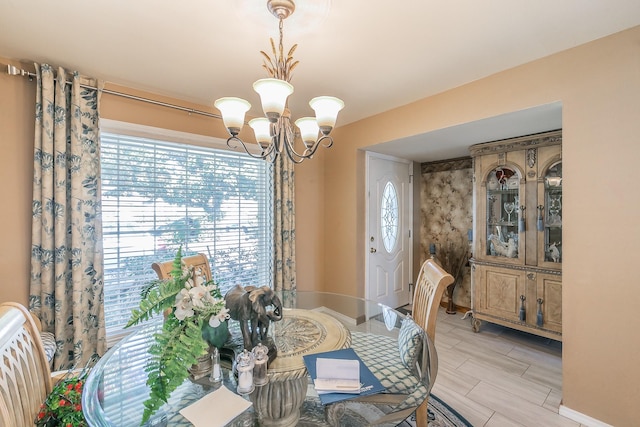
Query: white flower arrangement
[197, 297]
[195, 318]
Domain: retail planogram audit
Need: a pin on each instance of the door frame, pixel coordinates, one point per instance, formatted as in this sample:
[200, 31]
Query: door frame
[368, 156]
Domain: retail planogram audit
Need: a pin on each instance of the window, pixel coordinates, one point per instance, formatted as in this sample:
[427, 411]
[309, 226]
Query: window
[389, 216]
[159, 195]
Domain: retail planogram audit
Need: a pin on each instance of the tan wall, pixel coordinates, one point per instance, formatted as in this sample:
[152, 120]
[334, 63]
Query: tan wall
[17, 112]
[310, 231]
[599, 86]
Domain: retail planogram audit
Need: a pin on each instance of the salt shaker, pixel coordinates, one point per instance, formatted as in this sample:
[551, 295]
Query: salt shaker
[216, 371]
[244, 365]
[260, 369]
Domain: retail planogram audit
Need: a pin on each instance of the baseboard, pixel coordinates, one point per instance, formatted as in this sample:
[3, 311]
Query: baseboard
[580, 417]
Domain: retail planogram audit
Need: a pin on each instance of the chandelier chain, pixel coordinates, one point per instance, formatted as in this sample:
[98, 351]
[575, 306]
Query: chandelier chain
[283, 70]
[280, 46]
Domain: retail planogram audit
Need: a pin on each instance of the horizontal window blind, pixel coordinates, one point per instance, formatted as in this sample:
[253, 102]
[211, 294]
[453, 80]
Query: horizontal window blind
[160, 195]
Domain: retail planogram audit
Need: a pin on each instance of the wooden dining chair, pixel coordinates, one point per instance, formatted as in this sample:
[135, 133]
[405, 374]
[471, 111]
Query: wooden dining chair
[25, 378]
[430, 286]
[197, 261]
[415, 345]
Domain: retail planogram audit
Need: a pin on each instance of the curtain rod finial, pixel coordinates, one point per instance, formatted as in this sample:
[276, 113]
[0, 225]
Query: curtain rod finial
[12, 70]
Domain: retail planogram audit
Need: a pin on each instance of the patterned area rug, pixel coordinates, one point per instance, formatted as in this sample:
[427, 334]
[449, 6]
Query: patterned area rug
[440, 415]
[354, 414]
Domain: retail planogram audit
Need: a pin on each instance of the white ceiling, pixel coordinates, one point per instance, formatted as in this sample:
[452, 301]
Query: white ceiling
[374, 55]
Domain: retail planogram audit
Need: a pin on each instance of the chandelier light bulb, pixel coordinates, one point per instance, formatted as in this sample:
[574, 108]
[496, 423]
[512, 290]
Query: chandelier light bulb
[273, 94]
[233, 111]
[326, 108]
[262, 129]
[308, 130]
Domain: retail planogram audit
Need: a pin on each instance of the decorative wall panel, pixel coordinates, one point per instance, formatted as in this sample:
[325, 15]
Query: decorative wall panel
[446, 199]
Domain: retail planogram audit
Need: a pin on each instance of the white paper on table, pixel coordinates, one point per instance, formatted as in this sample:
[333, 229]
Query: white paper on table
[337, 375]
[215, 409]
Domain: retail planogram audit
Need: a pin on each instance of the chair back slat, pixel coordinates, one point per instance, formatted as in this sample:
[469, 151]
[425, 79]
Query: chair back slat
[430, 286]
[197, 261]
[25, 378]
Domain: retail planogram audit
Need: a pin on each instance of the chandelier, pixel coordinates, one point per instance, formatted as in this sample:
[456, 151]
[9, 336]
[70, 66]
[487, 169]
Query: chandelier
[275, 134]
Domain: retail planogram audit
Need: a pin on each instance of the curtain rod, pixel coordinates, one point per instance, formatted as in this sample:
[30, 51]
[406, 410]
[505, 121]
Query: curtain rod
[14, 71]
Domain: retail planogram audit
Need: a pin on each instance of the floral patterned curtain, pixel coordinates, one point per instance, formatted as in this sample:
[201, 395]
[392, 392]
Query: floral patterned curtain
[66, 290]
[285, 225]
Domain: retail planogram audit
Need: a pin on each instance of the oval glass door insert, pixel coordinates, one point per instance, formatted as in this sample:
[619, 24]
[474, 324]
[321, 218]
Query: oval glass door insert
[389, 216]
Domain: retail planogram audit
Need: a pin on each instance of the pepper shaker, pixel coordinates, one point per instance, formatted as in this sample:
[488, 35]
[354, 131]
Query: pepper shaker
[260, 369]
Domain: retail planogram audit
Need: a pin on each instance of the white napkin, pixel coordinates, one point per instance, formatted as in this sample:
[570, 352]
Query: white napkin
[337, 375]
[216, 409]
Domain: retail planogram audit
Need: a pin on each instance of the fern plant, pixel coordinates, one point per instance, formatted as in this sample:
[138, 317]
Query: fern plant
[190, 303]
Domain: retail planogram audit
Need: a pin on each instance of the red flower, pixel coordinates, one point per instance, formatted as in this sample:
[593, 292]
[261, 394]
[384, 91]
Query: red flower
[63, 407]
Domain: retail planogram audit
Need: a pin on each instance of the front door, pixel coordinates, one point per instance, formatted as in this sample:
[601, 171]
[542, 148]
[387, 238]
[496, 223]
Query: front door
[389, 243]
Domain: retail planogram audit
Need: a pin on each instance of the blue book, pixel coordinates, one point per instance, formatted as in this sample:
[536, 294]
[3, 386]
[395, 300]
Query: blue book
[369, 384]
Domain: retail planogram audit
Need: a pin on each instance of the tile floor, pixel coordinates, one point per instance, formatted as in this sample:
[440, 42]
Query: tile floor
[499, 376]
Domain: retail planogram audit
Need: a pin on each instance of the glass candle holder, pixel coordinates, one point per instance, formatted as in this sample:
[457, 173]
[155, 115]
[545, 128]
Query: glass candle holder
[244, 366]
[260, 364]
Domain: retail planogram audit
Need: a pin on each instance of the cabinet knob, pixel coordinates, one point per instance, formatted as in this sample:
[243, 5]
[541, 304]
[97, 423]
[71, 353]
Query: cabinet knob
[373, 250]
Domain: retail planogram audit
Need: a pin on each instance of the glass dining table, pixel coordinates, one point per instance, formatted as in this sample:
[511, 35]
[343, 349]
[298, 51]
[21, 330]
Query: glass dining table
[388, 342]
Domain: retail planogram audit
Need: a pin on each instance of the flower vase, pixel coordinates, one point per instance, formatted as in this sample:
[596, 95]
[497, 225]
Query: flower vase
[216, 337]
[202, 368]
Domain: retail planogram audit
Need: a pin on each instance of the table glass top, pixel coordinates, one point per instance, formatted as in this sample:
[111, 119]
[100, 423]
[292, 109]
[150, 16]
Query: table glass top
[313, 322]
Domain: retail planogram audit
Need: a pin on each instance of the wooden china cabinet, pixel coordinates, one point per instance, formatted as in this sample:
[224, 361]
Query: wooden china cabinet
[516, 269]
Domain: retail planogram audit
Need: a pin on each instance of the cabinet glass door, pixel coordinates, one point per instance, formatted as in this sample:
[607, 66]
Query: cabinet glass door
[553, 213]
[503, 207]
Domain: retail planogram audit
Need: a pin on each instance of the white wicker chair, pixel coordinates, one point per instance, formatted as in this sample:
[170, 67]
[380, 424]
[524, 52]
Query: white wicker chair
[25, 378]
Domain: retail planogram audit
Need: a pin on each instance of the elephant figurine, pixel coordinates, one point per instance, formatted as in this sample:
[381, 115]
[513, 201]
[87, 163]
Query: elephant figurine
[249, 306]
